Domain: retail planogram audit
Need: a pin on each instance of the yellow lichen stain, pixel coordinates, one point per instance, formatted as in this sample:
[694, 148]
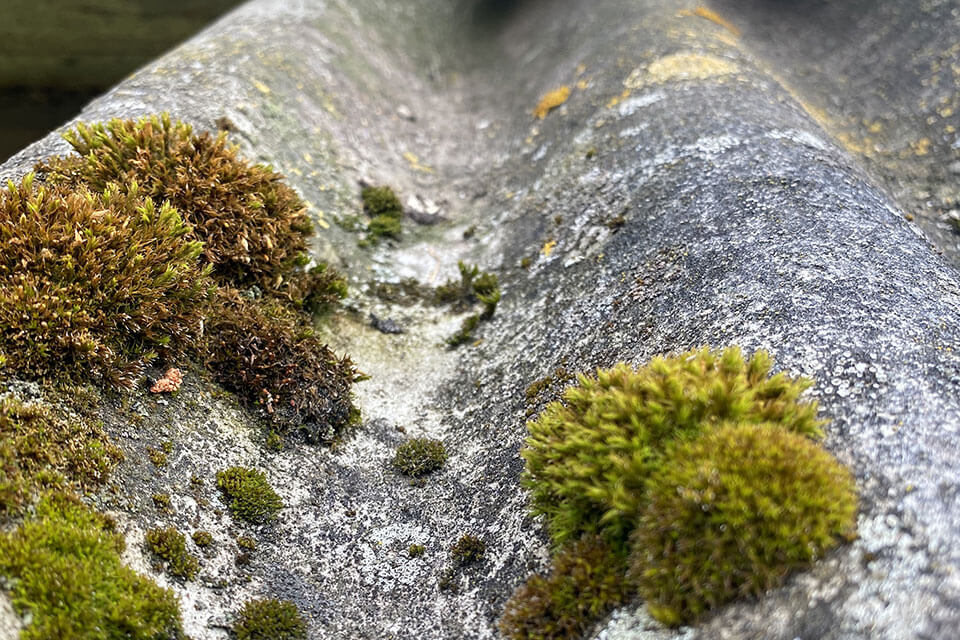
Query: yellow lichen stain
[716, 18]
[581, 68]
[307, 157]
[547, 248]
[949, 129]
[414, 163]
[262, 88]
[921, 147]
[615, 100]
[945, 112]
[874, 127]
[582, 84]
[688, 66]
[551, 100]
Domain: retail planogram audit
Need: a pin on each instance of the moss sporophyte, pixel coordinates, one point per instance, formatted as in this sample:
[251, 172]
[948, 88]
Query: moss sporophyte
[759, 497]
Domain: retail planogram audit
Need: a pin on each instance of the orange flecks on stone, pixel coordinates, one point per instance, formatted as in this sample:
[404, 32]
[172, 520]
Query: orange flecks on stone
[551, 100]
[716, 18]
[548, 248]
[169, 383]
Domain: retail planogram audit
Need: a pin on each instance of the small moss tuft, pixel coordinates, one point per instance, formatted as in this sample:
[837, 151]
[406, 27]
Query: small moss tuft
[589, 456]
[157, 457]
[469, 549]
[732, 513]
[383, 207]
[65, 571]
[587, 582]
[248, 494]
[202, 539]
[269, 619]
[474, 286]
[416, 550]
[247, 543]
[419, 456]
[161, 501]
[170, 546]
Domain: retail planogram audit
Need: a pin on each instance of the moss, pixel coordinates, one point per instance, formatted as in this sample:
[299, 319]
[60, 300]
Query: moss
[588, 458]
[732, 513]
[248, 494]
[416, 550]
[419, 456]
[157, 457]
[202, 539]
[586, 583]
[383, 207]
[94, 284]
[559, 376]
[66, 558]
[469, 549]
[269, 356]
[170, 547]
[253, 226]
[474, 286]
[41, 451]
[161, 501]
[274, 441]
[525, 262]
[247, 543]
[269, 619]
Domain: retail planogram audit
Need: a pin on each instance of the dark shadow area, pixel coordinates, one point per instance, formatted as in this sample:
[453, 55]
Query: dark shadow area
[57, 55]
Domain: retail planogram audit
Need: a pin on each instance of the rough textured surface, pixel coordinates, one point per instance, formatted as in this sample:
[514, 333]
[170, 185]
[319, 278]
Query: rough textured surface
[681, 196]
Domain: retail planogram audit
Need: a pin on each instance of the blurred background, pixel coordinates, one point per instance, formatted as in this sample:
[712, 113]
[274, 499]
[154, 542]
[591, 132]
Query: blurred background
[56, 56]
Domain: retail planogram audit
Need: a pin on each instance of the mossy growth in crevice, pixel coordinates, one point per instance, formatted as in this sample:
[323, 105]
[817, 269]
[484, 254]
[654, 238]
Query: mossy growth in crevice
[42, 451]
[248, 495]
[586, 582]
[94, 284]
[468, 549]
[702, 468]
[67, 575]
[169, 547]
[474, 287]
[385, 213]
[419, 456]
[269, 619]
[203, 539]
[269, 355]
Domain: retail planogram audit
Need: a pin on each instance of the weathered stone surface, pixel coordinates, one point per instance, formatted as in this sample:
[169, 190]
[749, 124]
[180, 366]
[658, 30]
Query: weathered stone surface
[680, 197]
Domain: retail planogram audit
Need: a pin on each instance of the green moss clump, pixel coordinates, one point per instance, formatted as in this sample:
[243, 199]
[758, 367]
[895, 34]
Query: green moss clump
[248, 494]
[586, 583]
[157, 457]
[474, 286]
[269, 356]
[416, 550]
[468, 549]
[269, 619]
[161, 501]
[202, 539]
[254, 227]
[170, 546]
[93, 284]
[247, 543]
[732, 513]
[40, 451]
[589, 457]
[419, 456]
[65, 569]
[383, 207]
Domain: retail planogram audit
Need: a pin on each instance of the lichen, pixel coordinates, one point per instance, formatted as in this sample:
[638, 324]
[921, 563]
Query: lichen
[248, 495]
[67, 575]
[550, 101]
[732, 513]
[169, 546]
[269, 619]
[419, 456]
